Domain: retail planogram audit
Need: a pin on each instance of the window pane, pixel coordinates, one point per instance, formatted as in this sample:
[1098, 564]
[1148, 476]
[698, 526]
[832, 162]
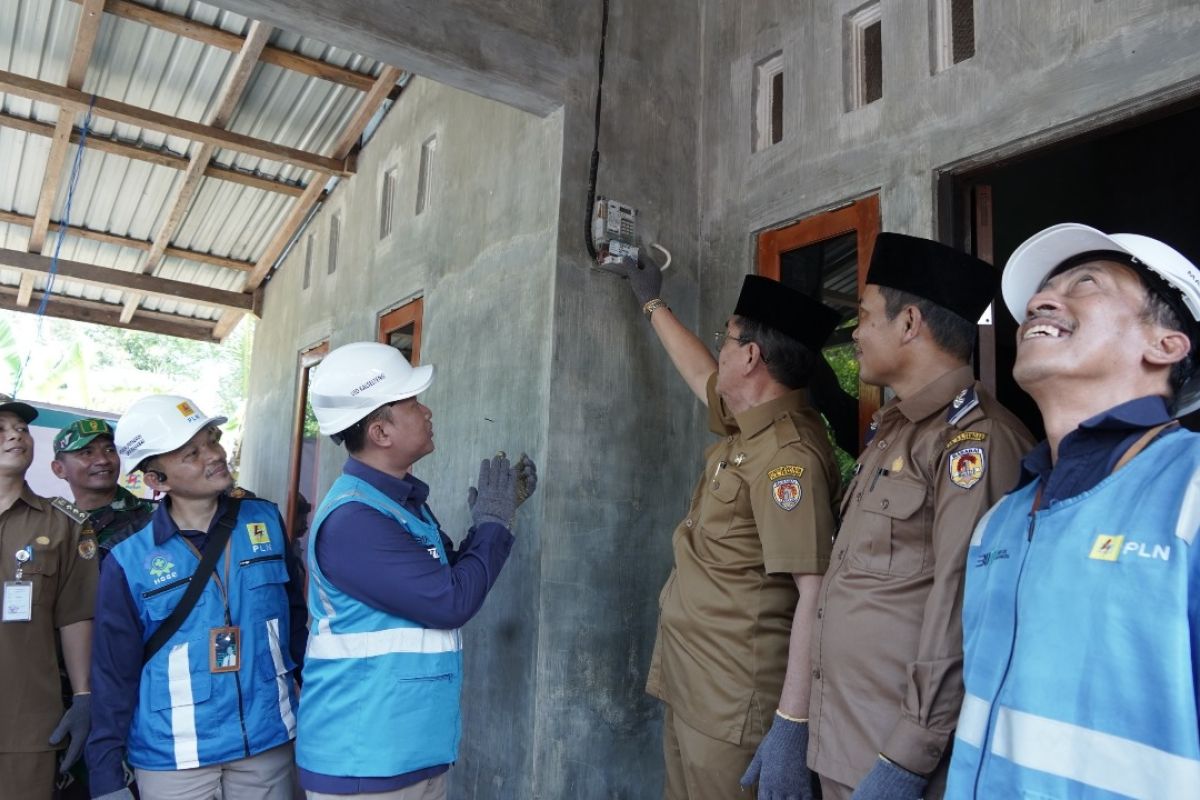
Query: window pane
[872, 62]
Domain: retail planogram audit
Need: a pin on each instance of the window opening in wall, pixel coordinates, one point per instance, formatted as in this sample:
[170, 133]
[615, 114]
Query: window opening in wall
[864, 40]
[401, 328]
[335, 236]
[426, 173]
[387, 199]
[953, 32]
[768, 102]
[306, 446]
[826, 256]
[308, 261]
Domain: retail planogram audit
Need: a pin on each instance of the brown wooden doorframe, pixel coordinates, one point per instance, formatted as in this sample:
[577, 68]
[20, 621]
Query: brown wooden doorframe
[860, 217]
[308, 359]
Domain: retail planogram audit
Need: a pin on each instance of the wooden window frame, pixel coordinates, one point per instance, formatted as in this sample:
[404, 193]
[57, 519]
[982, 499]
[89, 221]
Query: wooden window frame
[860, 217]
[411, 312]
[309, 358]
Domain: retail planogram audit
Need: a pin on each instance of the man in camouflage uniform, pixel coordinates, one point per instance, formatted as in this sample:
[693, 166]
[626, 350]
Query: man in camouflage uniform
[86, 458]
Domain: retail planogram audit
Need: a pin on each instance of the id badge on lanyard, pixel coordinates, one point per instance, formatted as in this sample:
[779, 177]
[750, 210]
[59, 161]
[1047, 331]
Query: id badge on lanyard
[225, 642]
[18, 594]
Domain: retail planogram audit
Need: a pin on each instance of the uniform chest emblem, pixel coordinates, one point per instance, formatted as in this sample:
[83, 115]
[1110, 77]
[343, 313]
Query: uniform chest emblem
[738, 459]
[260, 539]
[967, 467]
[787, 493]
[87, 547]
[160, 567]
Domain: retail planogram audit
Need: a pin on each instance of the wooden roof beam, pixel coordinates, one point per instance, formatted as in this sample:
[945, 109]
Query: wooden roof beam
[100, 313]
[109, 278]
[237, 76]
[123, 112]
[301, 208]
[162, 158]
[13, 218]
[198, 31]
[60, 141]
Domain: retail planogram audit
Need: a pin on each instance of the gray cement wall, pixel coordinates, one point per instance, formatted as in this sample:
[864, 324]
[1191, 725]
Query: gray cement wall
[557, 660]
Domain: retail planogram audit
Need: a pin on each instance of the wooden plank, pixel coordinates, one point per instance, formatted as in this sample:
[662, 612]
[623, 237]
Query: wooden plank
[160, 157]
[60, 141]
[303, 206]
[126, 281]
[25, 290]
[191, 29]
[123, 112]
[98, 313]
[14, 218]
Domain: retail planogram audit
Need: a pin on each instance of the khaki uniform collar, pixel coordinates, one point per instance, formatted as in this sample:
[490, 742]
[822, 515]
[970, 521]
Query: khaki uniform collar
[935, 396]
[755, 420]
[32, 500]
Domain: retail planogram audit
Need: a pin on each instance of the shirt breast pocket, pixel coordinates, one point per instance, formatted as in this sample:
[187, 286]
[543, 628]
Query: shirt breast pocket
[894, 531]
[719, 509]
[42, 572]
[266, 578]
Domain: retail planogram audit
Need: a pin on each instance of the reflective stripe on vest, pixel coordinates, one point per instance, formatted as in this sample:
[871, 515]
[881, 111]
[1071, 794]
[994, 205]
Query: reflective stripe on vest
[324, 644]
[1097, 759]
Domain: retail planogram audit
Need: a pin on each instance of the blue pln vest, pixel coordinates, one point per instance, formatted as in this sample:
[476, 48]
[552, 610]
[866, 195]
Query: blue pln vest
[1082, 639]
[186, 715]
[381, 693]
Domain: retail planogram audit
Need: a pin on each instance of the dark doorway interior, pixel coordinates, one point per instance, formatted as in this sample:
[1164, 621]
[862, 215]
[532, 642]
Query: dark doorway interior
[1138, 178]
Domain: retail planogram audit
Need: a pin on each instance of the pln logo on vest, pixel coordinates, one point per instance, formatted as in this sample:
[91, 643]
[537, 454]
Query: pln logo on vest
[260, 539]
[1110, 548]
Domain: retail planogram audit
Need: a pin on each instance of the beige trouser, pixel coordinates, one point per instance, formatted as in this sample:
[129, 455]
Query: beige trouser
[266, 776]
[431, 789]
[702, 768]
[832, 790]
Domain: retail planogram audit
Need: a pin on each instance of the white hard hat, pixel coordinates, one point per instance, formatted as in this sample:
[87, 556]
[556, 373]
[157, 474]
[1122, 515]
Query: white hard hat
[157, 424]
[358, 378]
[1039, 255]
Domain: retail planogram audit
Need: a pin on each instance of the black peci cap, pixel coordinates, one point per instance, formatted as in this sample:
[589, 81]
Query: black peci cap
[788, 311]
[952, 279]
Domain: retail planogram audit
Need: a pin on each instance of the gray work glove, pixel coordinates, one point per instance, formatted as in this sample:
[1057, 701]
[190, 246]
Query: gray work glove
[495, 499]
[888, 781]
[779, 766]
[644, 278]
[119, 794]
[76, 722]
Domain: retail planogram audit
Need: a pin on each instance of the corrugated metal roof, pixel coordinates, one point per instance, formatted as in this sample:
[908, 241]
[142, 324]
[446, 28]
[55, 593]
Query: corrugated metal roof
[160, 71]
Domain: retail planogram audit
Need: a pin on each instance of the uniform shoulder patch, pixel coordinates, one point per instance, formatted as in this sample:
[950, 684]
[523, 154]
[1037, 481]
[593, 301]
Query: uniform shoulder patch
[241, 493]
[76, 514]
[967, 467]
[962, 404]
[967, 436]
[786, 471]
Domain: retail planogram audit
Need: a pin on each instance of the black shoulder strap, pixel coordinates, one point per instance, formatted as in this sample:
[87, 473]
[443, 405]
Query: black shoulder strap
[208, 562]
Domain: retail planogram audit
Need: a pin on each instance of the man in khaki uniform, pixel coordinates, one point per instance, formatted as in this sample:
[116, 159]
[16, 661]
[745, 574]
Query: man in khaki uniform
[728, 662]
[48, 566]
[887, 648]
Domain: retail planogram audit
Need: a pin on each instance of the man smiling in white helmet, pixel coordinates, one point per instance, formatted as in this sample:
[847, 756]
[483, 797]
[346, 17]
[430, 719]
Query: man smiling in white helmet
[1081, 613]
[199, 626]
[387, 590]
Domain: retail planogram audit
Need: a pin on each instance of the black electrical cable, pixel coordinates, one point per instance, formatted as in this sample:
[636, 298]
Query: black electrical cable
[595, 165]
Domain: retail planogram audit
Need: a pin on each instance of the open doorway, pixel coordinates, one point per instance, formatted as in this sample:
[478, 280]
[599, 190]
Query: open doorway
[1137, 177]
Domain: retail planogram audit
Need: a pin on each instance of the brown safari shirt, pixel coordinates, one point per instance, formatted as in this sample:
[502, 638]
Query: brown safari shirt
[762, 510]
[887, 647]
[63, 573]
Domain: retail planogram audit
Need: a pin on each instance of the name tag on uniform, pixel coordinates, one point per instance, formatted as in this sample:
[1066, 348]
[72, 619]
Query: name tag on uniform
[18, 601]
[225, 649]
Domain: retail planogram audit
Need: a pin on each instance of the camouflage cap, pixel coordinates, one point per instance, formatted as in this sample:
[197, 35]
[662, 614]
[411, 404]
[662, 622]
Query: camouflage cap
[80, 433]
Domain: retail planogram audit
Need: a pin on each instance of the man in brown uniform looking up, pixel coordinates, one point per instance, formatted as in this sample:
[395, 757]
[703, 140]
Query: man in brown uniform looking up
[728, 662]
[887, 647]
[48, 567]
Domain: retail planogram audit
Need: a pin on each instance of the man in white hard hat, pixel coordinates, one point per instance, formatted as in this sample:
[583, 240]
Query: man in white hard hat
[48, 572]
[387, 590]
[194, 677]
[1081, 613]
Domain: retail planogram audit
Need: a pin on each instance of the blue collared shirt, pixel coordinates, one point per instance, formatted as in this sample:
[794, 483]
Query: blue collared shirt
[1088, 454]
[370, 557]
